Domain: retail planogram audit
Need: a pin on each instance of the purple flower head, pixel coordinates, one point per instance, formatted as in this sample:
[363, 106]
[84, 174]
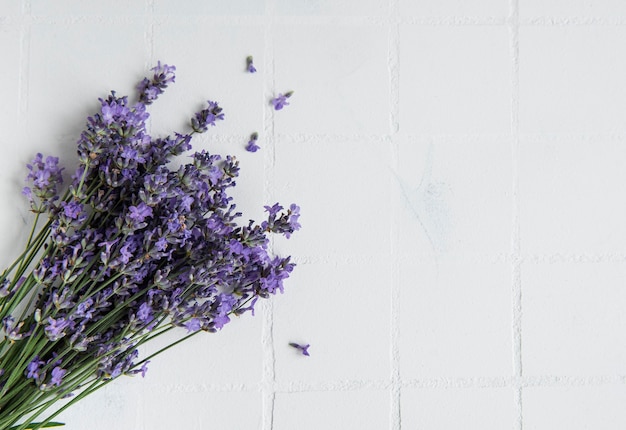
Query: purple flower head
[252, 146]
[26, 191]
[193, 325]
[273, 210]
[55, 329]
[57, 376]
[149, 90]
[140, 212]
[281, 101]
[220, 321]
[161, 244]
[304, 349]
[72, 210]
[32, 370]
[114, 110]
[163, 73]
[143, 369]
[250, 65]
[294, 216]
[145, 313]
[207, 117]
[45, 176]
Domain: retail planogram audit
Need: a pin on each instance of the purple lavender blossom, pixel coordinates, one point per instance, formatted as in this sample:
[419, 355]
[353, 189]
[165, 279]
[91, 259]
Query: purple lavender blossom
[304, 349]
[72, 209]
[140, 212]
[57, 376]
[193, 325]
[32, 370]
[149, 90]
[145, 313]
[252, 146]
[280, 101]
[207, 117]
[55, 328]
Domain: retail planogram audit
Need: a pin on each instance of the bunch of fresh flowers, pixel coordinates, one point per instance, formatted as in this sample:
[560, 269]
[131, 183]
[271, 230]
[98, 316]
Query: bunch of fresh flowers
[130, 250]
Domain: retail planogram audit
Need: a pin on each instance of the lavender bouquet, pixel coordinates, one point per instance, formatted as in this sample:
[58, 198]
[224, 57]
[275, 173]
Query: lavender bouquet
[130, 250]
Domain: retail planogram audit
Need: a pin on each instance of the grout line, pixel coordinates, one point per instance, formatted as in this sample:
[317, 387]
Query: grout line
[435, 383]
[268, 385]
[516, 280]
[393, 62]
[435, 21]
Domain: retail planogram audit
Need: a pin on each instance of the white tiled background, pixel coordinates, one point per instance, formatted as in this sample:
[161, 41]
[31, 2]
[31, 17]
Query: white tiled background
[461, 170]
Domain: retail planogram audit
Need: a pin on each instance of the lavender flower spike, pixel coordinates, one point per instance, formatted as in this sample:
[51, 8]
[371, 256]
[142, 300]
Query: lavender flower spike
[207, 117]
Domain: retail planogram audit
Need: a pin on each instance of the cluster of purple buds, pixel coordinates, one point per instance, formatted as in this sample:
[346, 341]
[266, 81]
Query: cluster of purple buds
[136, 245]
[149, 90]
[44, 177]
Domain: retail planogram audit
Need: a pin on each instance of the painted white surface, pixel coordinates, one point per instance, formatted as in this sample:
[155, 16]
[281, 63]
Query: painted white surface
[460, 167]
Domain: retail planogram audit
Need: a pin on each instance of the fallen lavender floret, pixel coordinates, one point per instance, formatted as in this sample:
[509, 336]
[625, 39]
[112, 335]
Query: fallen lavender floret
[132, 249]
[304, 349]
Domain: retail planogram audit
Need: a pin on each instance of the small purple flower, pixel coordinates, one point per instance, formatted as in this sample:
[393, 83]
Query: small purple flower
[207, 117]
[252, 146]
[144, 313]
[220, 321]
[143, 369]
[72, 209]
[161, 244]
[273, 210]
[281, 101]
[57, 376]
[55, 328]
[193, 325]
[250, 65]
[32, 370]
[140, 212]
[304, 349]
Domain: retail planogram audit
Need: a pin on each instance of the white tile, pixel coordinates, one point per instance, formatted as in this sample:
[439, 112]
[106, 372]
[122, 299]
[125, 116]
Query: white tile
[463, 8]
[339, 75]
[210, 7]
[454, 319]
[89, 8]
[10, 8]
[217, 74]
[62, 93]
[570, 79]
[575, 408]
[17, 149]
[363, 410]
[231, 356]
[116, 405]
[342, 188]
[330, 7]
[343, 312]
[573, 319]
[455, 79]
[572, 8]
[570, 196]
[449, 206]
[201, 410]
[10, 83]
[457, 408]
